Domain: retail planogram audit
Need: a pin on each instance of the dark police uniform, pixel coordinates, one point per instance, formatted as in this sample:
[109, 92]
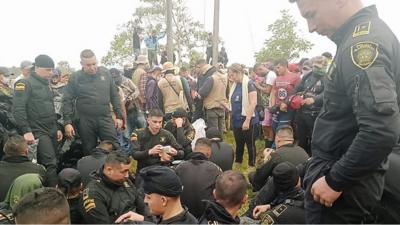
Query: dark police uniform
[290, 212]
[183, 135]
[34, 112]
[93, 95]
[103, 200]
[143, 140]
[311, 86]
[359, 122]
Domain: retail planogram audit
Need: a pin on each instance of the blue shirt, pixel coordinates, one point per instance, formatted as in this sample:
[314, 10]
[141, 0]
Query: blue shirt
[236, 102]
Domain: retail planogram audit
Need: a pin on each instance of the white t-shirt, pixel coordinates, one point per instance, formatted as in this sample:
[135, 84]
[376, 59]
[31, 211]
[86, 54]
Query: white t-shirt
[270, 78]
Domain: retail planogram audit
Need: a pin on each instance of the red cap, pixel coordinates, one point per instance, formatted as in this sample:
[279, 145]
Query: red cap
[296, 101]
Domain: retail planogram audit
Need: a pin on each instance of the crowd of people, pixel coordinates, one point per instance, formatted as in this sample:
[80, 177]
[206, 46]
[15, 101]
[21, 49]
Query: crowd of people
[70, 140]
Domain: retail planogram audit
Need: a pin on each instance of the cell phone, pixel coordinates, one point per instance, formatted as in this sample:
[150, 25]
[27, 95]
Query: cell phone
[166, 149]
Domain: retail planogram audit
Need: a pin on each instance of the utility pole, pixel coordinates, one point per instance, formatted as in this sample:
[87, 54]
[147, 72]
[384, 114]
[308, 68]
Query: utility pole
[215, 33]
[170, 44]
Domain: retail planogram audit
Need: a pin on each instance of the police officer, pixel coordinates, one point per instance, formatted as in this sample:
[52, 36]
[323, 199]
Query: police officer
[93, 90]
[359, 122]
[154, 145]
[182, 129]
[112, 194]
[35, 114]
[311, 90]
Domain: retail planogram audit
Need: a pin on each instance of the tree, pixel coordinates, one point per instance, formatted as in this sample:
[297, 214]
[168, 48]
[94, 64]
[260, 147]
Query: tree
[189, 33]
[285, 42]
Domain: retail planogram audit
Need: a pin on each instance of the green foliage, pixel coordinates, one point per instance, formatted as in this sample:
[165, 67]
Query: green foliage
[188, 33]
[285, 41]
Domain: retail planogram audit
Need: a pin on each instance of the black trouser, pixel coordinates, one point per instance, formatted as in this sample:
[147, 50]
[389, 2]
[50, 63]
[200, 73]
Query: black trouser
[47, 153]
[245, 137]
[93, 127]
[355, 205]
[304, 127]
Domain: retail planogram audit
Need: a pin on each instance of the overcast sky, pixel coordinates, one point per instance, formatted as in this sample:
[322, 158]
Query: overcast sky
[62, 28]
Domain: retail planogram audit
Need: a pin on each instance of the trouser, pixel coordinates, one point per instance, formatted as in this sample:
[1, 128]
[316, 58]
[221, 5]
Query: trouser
[136, 52]
[247, 137]
[47, 156]
[92, 128]
[198, 109]
[355, 205]
[280, 119]
[216, 118]
[152, 56]
[135, 120]
[304, 128]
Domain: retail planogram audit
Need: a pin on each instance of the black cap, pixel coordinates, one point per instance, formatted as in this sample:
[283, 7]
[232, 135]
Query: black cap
[180, 113]
[285, 176]
[69, 178]
[213, 132]
[161, 180]
[44, 61]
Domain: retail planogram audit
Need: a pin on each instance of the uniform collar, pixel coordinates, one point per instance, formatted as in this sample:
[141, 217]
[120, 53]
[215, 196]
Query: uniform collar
[348, 27]
[39, 78]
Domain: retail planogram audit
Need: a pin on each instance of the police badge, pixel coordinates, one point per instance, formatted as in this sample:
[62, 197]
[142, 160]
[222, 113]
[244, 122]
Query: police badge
[364, 54]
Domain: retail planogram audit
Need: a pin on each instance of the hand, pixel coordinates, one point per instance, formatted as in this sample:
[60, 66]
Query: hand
[267, 153]
[283, 107]
[164, 157]
[69, 131]
[259, 209]
[179, 122]
[324, 194]
[29, 138]
[308, 101]
[246, 125]
[118, 123]
[132, 216]
[59, 135]
[155, 150]
[172, 152]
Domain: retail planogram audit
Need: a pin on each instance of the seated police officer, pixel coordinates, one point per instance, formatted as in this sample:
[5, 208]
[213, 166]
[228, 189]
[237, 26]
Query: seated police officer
[182, 130]
[112, 193]
[198, 176]
[154, 145]
[286, 151]
[287, 206]
[230, 194]
[163, 189]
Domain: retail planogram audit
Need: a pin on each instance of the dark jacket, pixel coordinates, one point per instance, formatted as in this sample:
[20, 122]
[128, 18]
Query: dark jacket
[103, 200]
[311, 86]
[183, 135]
[34, 107]
[143, 140]
[183, 218]
[358, 125]
[93, 162]
[198, 179]
[288, 153]
[215, 213]
[93, 95]
[222, 155]
[12, 167]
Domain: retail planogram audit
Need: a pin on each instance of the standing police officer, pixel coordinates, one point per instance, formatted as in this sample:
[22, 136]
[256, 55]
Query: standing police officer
[93, 90]
[35, 114]
[359, 122]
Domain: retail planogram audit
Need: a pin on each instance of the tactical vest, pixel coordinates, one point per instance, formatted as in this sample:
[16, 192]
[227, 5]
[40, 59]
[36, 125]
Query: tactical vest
[171, 87]
[217, 95]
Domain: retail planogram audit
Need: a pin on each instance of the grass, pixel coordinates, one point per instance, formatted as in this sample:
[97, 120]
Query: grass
[228, 137]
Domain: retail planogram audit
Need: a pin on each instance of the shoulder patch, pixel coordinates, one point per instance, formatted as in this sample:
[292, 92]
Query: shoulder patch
[190, 135]
[266, 219]
[134, 136]
[364, 54]
[362, 29]
[20, 87]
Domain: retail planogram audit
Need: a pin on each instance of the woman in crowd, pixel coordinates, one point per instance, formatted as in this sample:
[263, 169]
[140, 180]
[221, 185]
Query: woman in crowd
[243, 99]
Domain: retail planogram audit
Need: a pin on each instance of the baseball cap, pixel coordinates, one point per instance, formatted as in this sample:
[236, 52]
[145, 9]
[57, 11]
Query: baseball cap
[161, 180]
[69, 178]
